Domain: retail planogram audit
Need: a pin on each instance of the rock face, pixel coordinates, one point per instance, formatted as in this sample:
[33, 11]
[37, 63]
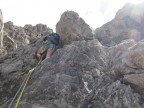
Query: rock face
[83, 74]
[109, 94]
[72, 28]
[15, 36]
[76, 76]
[1, 31]
[135, 12]
[35, 31]
[127, 24]
[13, 68]
[80, 75]
[67, 77]
[1, 18]
[128, 63]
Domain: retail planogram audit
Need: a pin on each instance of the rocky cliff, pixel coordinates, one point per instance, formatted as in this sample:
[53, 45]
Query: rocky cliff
[127, 24]
[72, 27]
[1, 32]
[85, 73]
[15, 36]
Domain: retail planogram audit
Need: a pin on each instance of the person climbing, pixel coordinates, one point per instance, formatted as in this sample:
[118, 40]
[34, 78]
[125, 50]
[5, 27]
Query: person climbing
[48, 45]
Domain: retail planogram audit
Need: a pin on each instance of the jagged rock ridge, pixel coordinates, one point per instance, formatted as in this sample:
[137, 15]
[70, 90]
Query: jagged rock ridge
[72, 27]
[15, 36]
[83, 74]
[1, 31]
[127, 24]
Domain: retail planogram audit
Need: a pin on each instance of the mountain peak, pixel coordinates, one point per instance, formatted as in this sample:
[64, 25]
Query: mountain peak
[101, 70]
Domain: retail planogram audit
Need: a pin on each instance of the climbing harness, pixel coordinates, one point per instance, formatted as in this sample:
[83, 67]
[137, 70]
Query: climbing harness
[24, 83]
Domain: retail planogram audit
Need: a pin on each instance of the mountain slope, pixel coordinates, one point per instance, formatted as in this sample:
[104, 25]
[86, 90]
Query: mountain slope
[82, 74]
[127, 24]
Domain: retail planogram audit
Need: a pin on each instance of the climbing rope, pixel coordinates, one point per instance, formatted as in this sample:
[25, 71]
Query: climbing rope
[24, 83]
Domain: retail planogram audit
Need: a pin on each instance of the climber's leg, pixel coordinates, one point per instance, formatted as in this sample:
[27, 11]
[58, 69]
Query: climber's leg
[50, 50]
[49, 53]
[41, 51]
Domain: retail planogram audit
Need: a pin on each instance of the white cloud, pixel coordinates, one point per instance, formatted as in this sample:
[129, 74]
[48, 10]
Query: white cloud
[94, 12]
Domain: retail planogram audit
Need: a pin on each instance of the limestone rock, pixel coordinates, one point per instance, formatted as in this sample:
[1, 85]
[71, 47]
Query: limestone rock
[127, 63]
[73, 28]
[83, 74]
[127, 24]
[13, 68]
[133, 11]
[1, 23]
[15, 36]
[109, 94]
[129, 60]
[1, 17]
[36, 31]
[136, 80]
[64, 78]
[1, 33]
[74, 77]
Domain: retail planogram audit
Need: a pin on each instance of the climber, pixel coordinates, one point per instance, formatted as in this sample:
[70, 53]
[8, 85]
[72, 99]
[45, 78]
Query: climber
[48, 45]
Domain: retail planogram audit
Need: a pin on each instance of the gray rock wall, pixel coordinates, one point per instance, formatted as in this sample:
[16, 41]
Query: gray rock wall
[127, 24]
[73, 28]
[82, 74]
[15, 36]
[1, 29]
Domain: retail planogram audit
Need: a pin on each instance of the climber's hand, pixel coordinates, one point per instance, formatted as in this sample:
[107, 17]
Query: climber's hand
[39, 56]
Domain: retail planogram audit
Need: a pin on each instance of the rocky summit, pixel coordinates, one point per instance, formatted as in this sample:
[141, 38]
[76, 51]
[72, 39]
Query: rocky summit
[127, 24]
[104, 69]
[73, 28]
[15, 36]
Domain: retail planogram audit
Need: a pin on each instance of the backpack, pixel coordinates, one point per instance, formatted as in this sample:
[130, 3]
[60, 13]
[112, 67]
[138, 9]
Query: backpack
[54, 38]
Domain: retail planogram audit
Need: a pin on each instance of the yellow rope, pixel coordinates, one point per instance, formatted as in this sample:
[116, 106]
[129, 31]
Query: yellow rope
[26, 83]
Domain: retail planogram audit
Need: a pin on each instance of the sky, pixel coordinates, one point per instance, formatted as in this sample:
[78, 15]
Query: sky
[94, 12]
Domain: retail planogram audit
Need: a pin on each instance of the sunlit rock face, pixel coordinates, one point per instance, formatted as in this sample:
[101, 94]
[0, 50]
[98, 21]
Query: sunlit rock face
[2, 51]
[82, 74]
[128, 23]
[16, 36]
[1, 19]
[136, 12]
[72, 27]
[127, 59]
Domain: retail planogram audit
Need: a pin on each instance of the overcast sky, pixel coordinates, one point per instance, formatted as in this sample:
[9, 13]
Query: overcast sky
[94, 12]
